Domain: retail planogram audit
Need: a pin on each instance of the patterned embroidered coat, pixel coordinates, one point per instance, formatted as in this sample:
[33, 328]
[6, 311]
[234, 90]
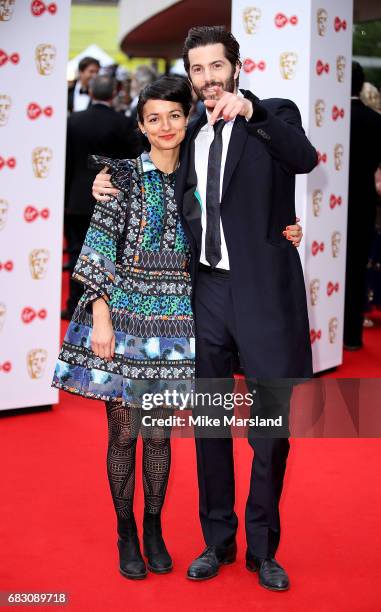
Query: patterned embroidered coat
[135, 253]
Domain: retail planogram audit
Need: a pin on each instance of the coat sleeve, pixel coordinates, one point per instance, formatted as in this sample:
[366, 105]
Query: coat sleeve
[95, 268]
[277, 124]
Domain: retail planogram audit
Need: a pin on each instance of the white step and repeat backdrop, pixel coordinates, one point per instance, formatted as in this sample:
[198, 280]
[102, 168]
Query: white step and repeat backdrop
[34, 37]
[301, 49]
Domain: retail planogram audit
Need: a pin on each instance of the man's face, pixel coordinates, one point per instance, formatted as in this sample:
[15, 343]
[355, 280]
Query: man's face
[88, 73]
[6, 9]
[5, 107]
[211, 72]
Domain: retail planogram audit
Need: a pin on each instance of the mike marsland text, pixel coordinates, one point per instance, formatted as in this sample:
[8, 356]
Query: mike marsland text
[205, 421]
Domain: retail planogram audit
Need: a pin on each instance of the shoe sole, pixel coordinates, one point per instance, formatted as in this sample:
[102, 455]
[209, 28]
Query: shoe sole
[212, 575]
[133, 576]
[159, 571]
[254, 571]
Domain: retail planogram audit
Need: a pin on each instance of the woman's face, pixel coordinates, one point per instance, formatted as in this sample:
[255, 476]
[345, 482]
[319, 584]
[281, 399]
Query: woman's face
[164, 123]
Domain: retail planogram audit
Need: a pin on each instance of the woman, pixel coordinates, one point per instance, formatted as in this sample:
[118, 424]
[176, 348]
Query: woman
[133, 331]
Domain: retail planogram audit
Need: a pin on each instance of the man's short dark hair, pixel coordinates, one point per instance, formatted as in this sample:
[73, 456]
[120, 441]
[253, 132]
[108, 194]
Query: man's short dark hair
[358, 78]
[86, 62]
[200, 36]
[103, 87]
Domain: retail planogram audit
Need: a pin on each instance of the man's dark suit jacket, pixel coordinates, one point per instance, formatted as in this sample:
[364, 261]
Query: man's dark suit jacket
[98, 130]
[365, 156]
[258, 201]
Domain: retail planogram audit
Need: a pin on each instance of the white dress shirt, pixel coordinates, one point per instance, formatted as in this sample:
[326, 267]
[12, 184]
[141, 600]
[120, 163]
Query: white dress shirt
[80, 101]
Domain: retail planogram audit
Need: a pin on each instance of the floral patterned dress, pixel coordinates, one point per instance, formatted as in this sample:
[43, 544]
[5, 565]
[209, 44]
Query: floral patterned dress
[137, 255]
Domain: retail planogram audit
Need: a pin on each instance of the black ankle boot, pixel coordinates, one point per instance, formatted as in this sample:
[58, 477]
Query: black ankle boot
[131, 562]
[159, 560]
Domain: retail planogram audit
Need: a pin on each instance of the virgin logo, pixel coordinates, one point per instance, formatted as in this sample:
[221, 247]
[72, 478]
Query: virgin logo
[31, 214]
[340, 25]
[38, 8]
[14, 58]
[321, 67]
[34, 111]
[282, 20]
[6, 265]
[5, 367]
[249, 65]
[322, 157]
[315, 334]
[29, 314]
[316, 247]
[337, 113]
[332, 287]
[9, 163]
[334, 201]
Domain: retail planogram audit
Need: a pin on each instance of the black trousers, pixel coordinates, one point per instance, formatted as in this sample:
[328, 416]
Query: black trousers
[216, 353]
[76, 227]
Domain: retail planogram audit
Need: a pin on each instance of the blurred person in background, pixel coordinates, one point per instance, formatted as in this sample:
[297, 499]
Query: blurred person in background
[144, 75]
[97, 130]
[78, 95]
[365, 157]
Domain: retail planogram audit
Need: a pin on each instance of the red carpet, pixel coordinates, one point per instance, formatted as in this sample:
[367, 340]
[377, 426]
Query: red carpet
[57, 522]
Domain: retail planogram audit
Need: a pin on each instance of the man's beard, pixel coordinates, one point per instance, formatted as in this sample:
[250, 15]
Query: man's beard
[227, 86]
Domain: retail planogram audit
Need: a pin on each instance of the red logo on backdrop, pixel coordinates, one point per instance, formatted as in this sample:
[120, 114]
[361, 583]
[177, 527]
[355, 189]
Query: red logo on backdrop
[332, 287]
[316, 247]
[340, 25]
[249, 65]
[321, 67]
[334, 201]
[322, 157]
[14, 58]
[282, 20]
[38, 8]
[29, 314]
[315, 334]
[10, 162]
[7, 266]
[337, 113]
[34, 111]
[31, 213]
[5, 367]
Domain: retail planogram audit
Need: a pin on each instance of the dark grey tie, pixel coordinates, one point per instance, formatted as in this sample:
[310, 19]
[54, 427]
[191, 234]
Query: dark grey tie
[213, 237]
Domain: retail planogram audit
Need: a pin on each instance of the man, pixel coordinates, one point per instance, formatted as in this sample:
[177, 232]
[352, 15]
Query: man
[98, 130]
[79, 96]
[249, 294]
[364, 159]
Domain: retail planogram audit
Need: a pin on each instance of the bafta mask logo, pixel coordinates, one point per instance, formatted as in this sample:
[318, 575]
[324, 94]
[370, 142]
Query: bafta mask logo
[45, 59]
[319, 112]
[338, 154]
[251, 18]
[333, 324]
[5, 109]
[317, 199]
[38, 263]
[3, 213]
[41, 158]
[36, 362]
[314, 291]
[322, 21]
[6, 9]
[335, 244]
[288, 62]
[341, 62]
[3, 312]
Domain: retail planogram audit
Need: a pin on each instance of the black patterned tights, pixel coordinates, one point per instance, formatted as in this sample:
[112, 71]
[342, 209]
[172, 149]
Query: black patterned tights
[124, 424]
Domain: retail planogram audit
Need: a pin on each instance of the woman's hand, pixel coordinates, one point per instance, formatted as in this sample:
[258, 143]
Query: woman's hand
[102, 186]
[102, 336]
[294, 233]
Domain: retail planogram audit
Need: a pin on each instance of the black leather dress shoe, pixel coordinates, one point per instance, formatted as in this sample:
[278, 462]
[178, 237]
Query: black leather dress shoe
[207, 564]
[271, 575]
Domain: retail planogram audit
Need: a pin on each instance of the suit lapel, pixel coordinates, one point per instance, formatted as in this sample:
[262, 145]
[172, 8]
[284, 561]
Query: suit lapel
[236, 145]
